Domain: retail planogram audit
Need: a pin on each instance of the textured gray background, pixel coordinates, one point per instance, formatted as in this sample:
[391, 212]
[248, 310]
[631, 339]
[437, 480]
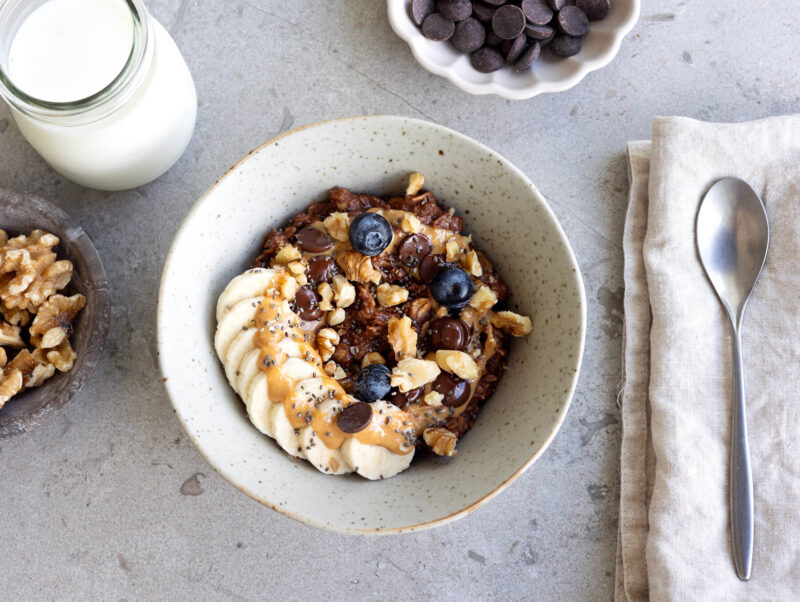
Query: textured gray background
[110, 500]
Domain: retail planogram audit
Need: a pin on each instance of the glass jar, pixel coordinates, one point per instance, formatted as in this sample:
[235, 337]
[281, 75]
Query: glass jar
[127, 133]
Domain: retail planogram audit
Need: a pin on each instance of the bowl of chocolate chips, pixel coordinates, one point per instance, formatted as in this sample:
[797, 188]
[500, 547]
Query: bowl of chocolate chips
[516, 49]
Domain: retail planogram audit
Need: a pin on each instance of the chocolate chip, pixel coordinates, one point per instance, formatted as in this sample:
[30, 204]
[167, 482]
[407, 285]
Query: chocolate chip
[573, 21]
[537, 12]
[482, 11]
[430, 265]
[492, 39]
[455, 390]
[312, 240]
[321, 268]
[538, 32]
[594, 9]
[448, 333]
[306, 304]
[486, 60]
[528, 57]
[566, 46]
[420, 9]
[455, 10]
[495, 2]
[515, 48]
[469, 36]
[437, 28]
[355, 417]
[402, 399]
[558, 4]
[415, 246]
[508, 22]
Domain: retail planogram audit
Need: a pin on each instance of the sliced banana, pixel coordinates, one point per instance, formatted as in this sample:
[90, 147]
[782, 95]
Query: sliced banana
[240, 317]
[258, 404]
[241, 345]
[248, 369]
[253, 283]
[284, 433]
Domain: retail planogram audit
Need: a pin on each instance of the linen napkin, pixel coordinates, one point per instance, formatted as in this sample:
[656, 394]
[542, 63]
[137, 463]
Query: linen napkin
[674, 535]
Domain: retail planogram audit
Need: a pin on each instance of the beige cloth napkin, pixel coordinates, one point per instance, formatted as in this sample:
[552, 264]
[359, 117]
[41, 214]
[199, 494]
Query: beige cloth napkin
[674, 536]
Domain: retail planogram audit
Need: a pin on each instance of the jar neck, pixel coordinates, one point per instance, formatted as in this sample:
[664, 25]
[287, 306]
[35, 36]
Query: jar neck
[92, 108]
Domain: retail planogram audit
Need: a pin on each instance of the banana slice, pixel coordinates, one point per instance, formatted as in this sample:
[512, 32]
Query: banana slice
[259, 407]
[248, 369]
[284, 433]
[241, 345]
[253, 283]
[241, 316]
[325, 459]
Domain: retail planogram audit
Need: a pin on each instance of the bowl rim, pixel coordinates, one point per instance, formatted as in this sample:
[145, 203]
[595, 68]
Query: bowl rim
[477, 503]
[397, 10]
[102, 317]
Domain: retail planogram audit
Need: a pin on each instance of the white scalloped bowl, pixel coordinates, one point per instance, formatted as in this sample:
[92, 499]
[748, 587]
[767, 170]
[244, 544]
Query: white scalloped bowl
[549, 74]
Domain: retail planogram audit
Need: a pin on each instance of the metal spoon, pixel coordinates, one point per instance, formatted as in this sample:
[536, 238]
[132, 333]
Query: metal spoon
[732, 239]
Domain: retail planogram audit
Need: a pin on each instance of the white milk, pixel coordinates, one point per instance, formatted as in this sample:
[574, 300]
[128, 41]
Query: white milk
[66, 51]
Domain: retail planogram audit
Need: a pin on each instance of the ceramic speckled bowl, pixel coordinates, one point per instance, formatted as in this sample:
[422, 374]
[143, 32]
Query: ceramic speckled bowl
[509, 219]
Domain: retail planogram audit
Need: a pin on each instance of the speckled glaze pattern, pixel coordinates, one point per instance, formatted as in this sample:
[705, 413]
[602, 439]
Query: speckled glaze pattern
[549, 74]
[508, 218]
[21, 213]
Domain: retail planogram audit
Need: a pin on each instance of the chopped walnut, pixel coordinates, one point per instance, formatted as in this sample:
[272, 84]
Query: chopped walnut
[327, 339]
[286, 255]
[415, 183]
[420, 309]
[326, 294]
[339, 373]
[434, 398]
[286, 287]
[402, 337]
[62, 357]
[298, 270]
[10, 385]
[373, 357]
[358, 267]
[458, 363]
[330, 368]
[34, 372]
[452, 250]
[344, 293]
[391, 294]
[410, 223]
[36, 273]
[338, 226]
[3, 356]
[484, 298]
[53, 323]
[336, 316]
[441, 441]
[411, 373]
[10, 335]
[3, 238]
[472, 264]
[511, 322]
[16, 316]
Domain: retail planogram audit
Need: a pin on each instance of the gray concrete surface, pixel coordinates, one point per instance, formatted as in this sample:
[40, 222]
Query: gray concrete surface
[111, 501]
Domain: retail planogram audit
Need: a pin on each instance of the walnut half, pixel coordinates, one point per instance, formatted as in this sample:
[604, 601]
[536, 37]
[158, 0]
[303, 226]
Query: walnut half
[511, 322]
[410, 373]
[441, 441]
[402, 337]
[53, 324]
[358, 267]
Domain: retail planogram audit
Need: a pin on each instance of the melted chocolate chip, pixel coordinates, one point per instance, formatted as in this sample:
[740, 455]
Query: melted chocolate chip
[448, 333]
[313, 241]
[456, 391]
[430, 266]
[355, 417]
[306, 304]
[321, 268]
[413, 248]
[402, 399]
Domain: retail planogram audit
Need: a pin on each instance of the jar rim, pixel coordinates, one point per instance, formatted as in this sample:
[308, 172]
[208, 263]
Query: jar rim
[99, 104]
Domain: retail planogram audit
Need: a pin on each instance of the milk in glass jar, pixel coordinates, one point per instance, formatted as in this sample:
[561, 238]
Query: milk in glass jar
[98, 88]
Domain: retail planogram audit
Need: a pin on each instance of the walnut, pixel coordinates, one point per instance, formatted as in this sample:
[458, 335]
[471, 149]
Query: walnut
[434, 398]
[286, 286]
[10, 335]
[339, 373]
[358, 267]
[415, 183]
[336, 316]
[402, 337]
[458, 363]
[34, 372]
[472, 264]
[484, 298]
[326, 294]
[286, 255]
[53, 323]
[3, 238]
[510, 322]
[338, 226]
[390, 294]
[420, 309]
[298, 270]
[452, 250]
[344, 293]
[441, 441]
[330, 368]
[327, 339]
[411, 373]
[3, 356]
[10, 385]
[16, 316]
[410, 223]
[62, 357]
[36, 275]
[373, 357]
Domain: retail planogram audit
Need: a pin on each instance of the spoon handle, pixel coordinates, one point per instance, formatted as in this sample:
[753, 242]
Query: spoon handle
[741, 480]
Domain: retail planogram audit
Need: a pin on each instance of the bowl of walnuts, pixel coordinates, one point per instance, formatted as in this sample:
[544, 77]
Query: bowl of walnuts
[54, 311]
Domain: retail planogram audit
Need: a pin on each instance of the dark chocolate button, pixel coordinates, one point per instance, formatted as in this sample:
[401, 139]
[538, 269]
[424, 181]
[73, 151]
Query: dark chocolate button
[528, 57]
[566, 46]
[482, 11]
[420, 9]
[456, 391]
[573, 21]
[495, 2]
[455, 10]
[470, 35]
[313, 240]
[508, 22]
[321, 268]
[486, 60]
[537, 12]
[557, 4]
[594, 9]
[448, 333]
[306, 304]
[430, 266]
[402, 399]
[538, 32]
[437, 28]
[413, 248]
[515, 48]
[355, 417]
[492, 39]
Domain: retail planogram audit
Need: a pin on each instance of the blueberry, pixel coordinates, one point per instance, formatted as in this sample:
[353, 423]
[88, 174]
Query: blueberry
[370, 233]
[372, 383]
[452, 287]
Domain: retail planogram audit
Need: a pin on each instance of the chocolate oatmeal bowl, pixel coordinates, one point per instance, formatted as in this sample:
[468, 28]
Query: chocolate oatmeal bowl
[371, 324]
